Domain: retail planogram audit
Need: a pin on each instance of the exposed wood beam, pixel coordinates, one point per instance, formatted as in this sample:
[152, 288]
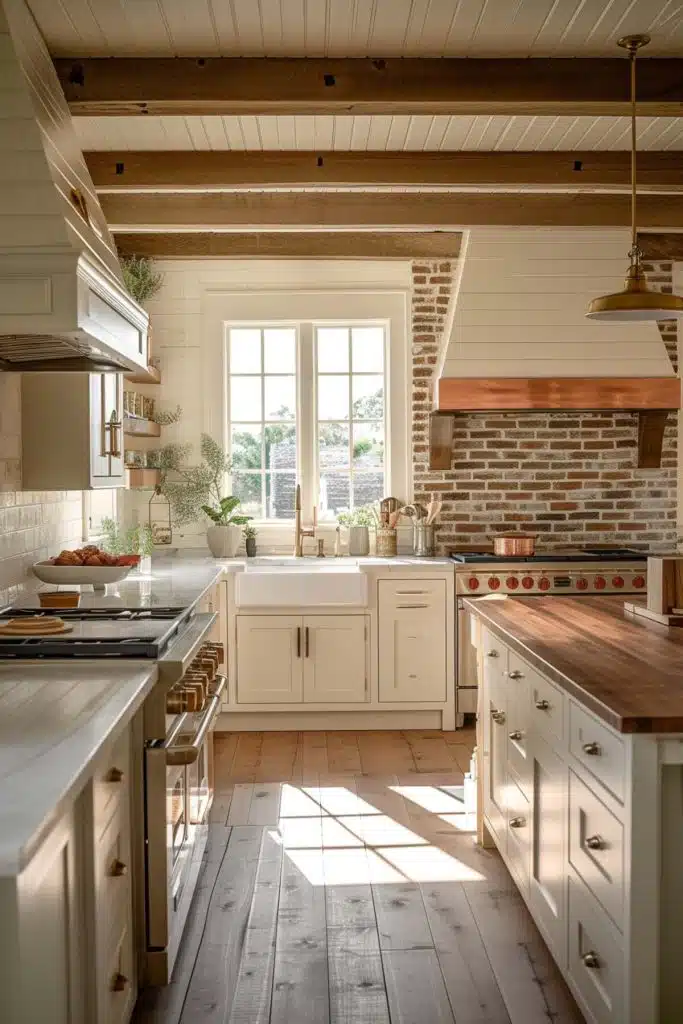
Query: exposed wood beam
[481, 394]
[250, 211]
[257, 85]
[294, 244]
[122, 171]
[664, 246]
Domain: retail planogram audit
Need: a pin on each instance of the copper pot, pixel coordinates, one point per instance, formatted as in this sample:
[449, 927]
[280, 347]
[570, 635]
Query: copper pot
[514, 544]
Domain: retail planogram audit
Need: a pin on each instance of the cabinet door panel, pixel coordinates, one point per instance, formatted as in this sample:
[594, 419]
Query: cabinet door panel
[335, 658]
[547, 894]
[412, 644]
[269, 659]
[99, 442]
[495, 751]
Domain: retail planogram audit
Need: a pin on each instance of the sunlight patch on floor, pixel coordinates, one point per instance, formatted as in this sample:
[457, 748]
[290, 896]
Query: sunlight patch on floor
[436, 800]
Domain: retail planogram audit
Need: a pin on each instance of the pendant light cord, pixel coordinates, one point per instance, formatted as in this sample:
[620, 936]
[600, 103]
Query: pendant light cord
[634, 233]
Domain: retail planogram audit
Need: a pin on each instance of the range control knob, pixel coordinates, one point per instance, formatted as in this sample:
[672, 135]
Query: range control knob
[512, 582]
[544, 583]
[176, 701]
[473, 583]
[494, 583]
[600, 582]
[639, 582]
[618, 582]
[527, 582]
[582, 583]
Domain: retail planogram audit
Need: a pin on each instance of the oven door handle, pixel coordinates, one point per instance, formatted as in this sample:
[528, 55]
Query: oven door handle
[187, 753]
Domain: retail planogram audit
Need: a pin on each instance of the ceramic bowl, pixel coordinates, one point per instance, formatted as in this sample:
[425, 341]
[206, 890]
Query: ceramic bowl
[97, 576]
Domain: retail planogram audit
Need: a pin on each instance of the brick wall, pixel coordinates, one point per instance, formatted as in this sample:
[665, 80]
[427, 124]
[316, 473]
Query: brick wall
[569, 477]
[33, 525]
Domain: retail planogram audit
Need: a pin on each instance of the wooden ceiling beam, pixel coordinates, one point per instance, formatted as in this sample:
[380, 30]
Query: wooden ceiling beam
[121, 171]
[292, 244]
[265, 85]
[268, 211]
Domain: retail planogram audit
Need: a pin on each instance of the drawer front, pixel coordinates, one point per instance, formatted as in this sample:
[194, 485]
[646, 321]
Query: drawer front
[547, 704]
[596, 848]
[517, 726]
[111, 781]
[596, 957]
[117, 983]
[415, 591]
[518, 835]
[113, 877]
[599, 749]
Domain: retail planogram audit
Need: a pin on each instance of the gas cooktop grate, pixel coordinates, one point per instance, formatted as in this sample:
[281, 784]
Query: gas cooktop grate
[95, 614]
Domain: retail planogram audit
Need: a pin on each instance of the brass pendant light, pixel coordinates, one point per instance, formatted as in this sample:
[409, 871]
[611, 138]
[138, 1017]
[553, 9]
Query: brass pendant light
[636, 301]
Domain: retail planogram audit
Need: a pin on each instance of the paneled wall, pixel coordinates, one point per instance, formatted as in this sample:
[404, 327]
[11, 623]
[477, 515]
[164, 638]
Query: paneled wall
[33, 524]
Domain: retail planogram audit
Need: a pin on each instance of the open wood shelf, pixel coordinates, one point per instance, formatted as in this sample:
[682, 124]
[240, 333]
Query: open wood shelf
[149, 478]
[136, 427]
[151, 375]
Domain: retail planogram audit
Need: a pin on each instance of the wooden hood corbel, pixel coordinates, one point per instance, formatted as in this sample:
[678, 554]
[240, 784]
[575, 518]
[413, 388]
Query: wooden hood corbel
[652, 398]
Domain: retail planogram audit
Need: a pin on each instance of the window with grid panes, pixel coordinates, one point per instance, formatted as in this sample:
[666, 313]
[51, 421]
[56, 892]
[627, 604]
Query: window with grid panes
[306, 399]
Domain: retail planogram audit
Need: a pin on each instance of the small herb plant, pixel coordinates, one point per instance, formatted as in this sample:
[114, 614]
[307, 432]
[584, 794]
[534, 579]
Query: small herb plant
[361, 516]
[249, 532]
[135, 541]
[166, 418]
[139, 278]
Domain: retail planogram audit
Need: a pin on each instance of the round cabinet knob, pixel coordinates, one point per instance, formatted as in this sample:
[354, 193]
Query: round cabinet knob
[591, 748]
[516, 674]
[516, 735]
[542, 705]
[544, 583]
[639, 582]
[591, 960]
[517, 822]
[119, 982]
[512, 582]
[114, 775]
[498, 716]
[494, 583]
[595, 843]
[618, 582]
[527, 582]
[176, 702]
[492, 654]
[600, 582]
[473, 583]
[582, 583]
[118, 869]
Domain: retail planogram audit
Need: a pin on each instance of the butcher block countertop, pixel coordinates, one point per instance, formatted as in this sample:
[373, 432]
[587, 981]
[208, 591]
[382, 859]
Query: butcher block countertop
[628, 671]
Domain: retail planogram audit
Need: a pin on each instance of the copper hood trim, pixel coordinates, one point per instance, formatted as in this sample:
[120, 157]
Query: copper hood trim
[519, 394]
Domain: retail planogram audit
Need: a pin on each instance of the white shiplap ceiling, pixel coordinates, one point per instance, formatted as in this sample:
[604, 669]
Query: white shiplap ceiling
[375, 132]
[355, 28]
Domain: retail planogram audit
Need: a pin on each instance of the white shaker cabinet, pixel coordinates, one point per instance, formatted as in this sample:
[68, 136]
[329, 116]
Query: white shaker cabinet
[72, 436]
[269, 659]
[412, 640]
[290, 659]
[547, 895]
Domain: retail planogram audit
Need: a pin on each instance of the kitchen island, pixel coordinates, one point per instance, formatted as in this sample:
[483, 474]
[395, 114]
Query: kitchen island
[580, 743]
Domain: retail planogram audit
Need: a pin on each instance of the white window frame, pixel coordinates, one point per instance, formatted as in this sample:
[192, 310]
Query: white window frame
[306, 421]
[288, 304]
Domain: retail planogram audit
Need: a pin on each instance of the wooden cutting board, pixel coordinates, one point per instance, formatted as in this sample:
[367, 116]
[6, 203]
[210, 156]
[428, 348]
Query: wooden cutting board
[35, 625]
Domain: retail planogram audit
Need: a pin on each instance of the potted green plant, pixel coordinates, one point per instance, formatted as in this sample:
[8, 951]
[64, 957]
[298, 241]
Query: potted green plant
[139, 278]
[137, 540]
[196, 490]
[250, 540]
[358, 524]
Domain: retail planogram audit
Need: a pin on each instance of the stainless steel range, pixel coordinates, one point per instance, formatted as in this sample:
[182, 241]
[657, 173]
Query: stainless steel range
[575, 572]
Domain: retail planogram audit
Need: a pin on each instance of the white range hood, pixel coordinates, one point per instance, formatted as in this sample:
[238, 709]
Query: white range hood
[63, 305]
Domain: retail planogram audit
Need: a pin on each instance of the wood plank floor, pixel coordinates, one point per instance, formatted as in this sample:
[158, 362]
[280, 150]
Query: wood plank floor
[342, 885]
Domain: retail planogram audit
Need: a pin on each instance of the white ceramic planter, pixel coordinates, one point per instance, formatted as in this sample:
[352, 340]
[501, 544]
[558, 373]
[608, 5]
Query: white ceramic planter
[223, 541]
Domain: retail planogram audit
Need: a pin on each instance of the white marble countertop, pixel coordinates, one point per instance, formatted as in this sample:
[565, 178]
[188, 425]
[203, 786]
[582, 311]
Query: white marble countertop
[54, 719]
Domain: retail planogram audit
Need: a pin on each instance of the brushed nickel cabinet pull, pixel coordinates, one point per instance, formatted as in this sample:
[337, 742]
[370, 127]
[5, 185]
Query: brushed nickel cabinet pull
[542, 705]
[516, 674]
[298, 641]
[591, 960]
[517, 822]
[492, 654]
[114, 775]
[307, 640]
[498, 716]
[118, 869]
[412, 606]
[592, 748]
[516, 735]
[595, 843]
